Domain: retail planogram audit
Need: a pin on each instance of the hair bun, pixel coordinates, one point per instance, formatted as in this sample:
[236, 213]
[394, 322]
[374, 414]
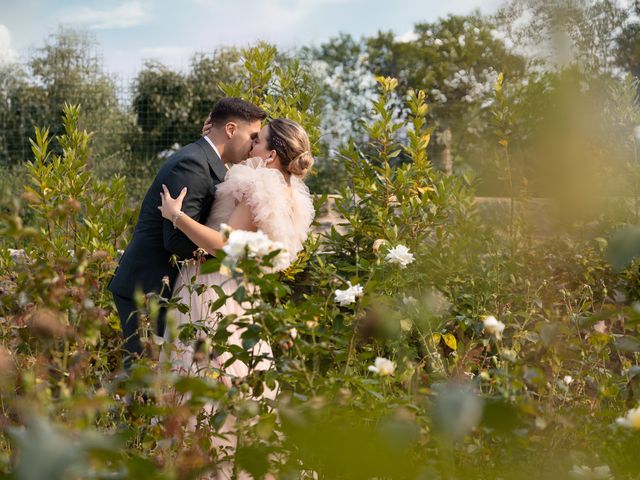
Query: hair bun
[301, 165]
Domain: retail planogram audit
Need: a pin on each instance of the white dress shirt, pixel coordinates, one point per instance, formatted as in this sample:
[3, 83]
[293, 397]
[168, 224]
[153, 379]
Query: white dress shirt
[216, 150]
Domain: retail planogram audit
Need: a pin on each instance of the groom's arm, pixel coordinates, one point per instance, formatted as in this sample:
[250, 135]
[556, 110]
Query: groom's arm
[194, 175]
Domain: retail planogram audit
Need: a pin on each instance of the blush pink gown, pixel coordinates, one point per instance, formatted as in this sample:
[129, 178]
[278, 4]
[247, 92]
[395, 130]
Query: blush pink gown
[284, 213]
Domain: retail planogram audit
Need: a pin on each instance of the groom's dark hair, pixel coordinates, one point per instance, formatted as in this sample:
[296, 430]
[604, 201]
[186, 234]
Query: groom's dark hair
[232, 108]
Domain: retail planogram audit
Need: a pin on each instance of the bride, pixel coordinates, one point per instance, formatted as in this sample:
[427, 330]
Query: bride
[267, 193]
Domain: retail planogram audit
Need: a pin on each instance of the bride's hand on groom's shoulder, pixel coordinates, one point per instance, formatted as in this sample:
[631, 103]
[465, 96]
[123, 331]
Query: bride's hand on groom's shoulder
[206, 128]
[170, 207]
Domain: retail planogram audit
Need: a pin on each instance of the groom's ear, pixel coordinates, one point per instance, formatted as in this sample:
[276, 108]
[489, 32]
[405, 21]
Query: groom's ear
[230, 128]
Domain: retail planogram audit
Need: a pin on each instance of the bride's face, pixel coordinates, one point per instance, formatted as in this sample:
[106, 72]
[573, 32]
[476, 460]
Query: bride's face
[260, 147]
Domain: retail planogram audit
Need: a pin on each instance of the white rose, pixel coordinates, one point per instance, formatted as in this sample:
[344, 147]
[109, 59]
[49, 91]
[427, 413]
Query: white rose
[225, 229]
[282, 260]
[256, 245]
[236, 244]
[509, 355]
[378, 243]
[597, 473]
[383, 367]
[343, 298]
[600, 327]
[348, 296]
[631, 419]
[568, 379]
[409, 301]
[493, 326]
[400, 255]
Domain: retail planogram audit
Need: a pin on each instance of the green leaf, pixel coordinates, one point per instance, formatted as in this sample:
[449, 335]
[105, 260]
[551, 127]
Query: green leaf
[623, 247]
[212, 265]
[626, 343]
[250, 337]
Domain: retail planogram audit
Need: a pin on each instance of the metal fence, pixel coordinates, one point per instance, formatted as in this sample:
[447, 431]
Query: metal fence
[135, 117]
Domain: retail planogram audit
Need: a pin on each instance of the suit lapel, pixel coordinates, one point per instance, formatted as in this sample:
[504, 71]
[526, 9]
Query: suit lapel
[215, 162]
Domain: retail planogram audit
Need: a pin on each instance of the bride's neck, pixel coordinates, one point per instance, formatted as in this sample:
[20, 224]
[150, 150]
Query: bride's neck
[285, 174]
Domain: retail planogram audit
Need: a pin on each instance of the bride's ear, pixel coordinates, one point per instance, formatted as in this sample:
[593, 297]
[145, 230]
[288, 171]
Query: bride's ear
[272, 157]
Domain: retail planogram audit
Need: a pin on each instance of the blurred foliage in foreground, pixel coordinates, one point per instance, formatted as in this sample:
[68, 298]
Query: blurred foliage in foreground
[505, 350]
[501, 346]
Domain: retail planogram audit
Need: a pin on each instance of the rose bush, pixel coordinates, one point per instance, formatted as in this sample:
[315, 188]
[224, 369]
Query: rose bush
[412, 340]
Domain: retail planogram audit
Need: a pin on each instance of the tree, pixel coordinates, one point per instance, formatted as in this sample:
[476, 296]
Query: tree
[567, 31]
[207, 72]
[628, 43]
[341, 66]
[162, 105]
[283, 86]
[456, 60]
[65, 69]
[571, 126]
[20, 105]
[170, 107]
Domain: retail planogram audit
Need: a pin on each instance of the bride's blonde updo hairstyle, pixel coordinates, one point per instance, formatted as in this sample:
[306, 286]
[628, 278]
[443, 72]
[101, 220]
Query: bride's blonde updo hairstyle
[292, 145]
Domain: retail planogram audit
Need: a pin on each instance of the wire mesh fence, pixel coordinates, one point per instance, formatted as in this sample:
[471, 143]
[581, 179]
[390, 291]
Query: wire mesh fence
[125, 118]
[136, 117]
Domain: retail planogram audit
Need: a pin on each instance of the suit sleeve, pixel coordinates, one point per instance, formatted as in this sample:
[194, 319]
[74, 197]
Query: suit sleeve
[194, 175]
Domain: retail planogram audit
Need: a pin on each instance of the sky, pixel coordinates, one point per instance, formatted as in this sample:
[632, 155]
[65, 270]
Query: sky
[130, 31]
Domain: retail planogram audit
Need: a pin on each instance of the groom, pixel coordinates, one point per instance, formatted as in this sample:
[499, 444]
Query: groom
[199, 166]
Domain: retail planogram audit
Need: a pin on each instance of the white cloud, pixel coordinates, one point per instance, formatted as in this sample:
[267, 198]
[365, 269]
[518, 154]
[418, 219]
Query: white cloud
[276, 21]
[407, 37]
[205, 25]
[280, 4]
[169, 55]
[7, 54]
[127, 15]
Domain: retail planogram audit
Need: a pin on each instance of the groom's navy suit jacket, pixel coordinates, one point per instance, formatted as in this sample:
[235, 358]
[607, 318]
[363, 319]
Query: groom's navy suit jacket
[147, 258]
